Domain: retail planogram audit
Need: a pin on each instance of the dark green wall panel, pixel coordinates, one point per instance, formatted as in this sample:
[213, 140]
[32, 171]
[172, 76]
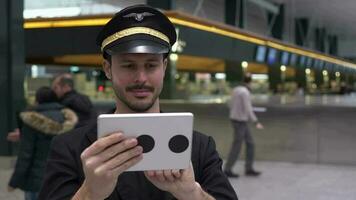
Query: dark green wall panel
[202, 43]
[64, 41]
[46, 42]
[12, 68]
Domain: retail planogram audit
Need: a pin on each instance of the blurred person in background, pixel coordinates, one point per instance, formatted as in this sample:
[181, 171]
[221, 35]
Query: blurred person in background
[241, 111]
[345, 88]
[39, 125]
[63, 86]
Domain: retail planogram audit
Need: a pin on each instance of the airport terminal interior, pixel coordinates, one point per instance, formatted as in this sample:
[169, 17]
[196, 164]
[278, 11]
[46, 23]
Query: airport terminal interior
[301, 55]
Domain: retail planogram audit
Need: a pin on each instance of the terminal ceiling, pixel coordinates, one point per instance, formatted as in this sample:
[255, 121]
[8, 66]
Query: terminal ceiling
[337, 16]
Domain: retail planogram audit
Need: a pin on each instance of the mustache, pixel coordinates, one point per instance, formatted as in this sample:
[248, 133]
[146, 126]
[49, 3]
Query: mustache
[139, 86]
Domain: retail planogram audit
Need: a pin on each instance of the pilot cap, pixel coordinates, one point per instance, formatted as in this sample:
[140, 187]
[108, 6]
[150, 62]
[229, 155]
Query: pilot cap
[137, 29]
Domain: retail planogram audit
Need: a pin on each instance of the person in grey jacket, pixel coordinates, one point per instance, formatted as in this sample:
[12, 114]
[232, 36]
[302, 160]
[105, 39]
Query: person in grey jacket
[40, 124]
[241, 111]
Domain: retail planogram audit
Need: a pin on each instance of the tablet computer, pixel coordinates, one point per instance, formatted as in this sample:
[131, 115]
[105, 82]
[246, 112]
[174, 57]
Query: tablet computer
[166, 138]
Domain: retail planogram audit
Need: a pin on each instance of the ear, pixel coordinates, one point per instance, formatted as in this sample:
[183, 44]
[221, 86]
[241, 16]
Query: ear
[165, 62]
[107, 69]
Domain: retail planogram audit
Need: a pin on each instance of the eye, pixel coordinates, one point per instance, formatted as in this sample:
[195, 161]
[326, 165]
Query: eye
[151, 65]
[128, 66]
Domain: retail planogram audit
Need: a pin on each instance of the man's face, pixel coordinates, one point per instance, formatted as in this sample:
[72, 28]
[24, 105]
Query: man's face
[57, 88]
[137, 79]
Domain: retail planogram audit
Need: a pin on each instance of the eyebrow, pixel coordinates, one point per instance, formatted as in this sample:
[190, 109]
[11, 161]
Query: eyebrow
[127, 60]
[153, 60]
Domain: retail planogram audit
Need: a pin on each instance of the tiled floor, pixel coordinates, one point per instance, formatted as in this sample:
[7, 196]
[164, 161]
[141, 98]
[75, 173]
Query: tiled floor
[293, 181]
[6, 164]
[279, 181]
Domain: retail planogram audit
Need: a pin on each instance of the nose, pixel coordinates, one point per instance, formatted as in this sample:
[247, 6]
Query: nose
[140, 76]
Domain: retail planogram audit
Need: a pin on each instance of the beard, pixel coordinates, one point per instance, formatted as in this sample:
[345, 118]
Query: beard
[138, 104]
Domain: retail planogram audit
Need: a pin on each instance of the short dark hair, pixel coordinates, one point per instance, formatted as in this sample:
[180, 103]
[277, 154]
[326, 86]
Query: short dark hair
[45, 95]
[247, 78]
[107, 56]
[66, 79]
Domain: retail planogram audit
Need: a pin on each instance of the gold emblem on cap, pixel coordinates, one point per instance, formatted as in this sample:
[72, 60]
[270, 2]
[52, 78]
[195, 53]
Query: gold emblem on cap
[133, 31]
[139, 16]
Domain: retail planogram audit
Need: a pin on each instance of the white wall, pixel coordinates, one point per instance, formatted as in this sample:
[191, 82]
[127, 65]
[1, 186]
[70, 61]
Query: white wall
[210, 9]
[347, 47]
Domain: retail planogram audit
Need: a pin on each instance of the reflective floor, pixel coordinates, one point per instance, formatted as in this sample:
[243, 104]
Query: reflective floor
[293, 181]
[279, 181]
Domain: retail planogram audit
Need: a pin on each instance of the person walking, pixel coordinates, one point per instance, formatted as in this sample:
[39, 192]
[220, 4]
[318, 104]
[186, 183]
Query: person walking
[241, 111]
[40, 124]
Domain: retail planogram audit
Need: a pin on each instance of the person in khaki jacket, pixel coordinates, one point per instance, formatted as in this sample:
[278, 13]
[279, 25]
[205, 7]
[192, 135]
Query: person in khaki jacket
[39, 126]
[241, 112]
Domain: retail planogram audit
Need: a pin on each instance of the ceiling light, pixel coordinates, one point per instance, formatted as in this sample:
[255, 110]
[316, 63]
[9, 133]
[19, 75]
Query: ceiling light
[283, 68]
[307, 71]
[244, 64]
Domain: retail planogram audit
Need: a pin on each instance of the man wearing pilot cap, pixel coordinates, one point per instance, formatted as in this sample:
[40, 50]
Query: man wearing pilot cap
[135, 44]
[138, 29]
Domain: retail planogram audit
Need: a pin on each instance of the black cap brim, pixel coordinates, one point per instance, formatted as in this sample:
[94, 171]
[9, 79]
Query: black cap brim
[138, 46]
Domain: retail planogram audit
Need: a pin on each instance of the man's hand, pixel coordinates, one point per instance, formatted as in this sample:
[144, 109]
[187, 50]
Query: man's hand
[104, 161]
[180, 183]
[14, 136]
[259, 126]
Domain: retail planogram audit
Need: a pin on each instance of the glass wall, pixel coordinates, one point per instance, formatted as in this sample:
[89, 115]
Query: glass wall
[87, 80]
[195, 78]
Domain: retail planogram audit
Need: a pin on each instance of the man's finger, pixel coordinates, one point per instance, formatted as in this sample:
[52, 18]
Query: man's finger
[115, 149]
[176, 173]
[119, 169]
[168, 175]
[159, 175]
[150, 173]
[101, 144]
[120, 159]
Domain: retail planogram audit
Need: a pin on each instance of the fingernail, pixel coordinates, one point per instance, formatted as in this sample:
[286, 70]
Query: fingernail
[118, 134]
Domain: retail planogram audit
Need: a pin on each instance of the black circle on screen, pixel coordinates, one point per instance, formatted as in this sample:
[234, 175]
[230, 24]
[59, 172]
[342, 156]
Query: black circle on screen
[178, 143]
[146, 142]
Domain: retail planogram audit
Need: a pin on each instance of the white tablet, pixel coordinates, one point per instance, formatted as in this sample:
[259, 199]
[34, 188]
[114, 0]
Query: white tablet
[166, 138]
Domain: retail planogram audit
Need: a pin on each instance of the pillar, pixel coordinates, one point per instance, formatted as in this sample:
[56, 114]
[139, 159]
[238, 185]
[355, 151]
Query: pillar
[274, 78]
[301, 31]
[12, 68]
[277, 23]
[169, 86]
[234, 72]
